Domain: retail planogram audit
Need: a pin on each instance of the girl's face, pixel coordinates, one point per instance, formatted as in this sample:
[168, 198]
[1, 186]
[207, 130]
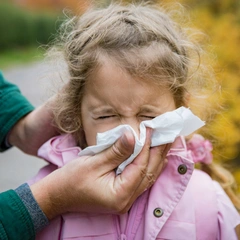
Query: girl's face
[112, 97]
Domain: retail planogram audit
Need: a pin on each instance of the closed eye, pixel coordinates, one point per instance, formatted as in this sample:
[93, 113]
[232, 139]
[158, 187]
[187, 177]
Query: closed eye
[104, 117]
[147, 117]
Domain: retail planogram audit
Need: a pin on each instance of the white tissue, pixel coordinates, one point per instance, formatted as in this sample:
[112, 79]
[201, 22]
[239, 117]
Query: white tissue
[166, 127]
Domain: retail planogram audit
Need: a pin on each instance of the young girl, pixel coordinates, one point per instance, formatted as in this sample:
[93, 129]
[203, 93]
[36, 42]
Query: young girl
[129, 64]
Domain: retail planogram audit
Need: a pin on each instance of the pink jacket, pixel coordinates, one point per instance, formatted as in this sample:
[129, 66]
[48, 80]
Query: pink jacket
[183, 204]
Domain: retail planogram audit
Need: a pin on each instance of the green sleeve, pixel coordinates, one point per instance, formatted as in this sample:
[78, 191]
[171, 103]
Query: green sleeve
[13, 106]
[15, 221]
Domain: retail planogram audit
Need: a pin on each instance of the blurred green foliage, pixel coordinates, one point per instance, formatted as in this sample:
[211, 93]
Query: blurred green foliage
[21, 28]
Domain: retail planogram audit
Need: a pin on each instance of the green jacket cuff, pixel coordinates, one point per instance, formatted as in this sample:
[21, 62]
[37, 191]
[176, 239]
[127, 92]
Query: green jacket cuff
[15, 221]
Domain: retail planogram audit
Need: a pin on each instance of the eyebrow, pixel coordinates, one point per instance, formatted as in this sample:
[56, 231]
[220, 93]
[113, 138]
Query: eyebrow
[103, 110]
[150, 109]
[110, 110]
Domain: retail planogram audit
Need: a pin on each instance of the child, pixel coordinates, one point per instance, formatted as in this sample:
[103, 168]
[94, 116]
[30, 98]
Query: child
[128, 64]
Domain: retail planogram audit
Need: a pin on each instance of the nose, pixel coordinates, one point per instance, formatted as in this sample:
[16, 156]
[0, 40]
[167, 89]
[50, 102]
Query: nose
[134, 123]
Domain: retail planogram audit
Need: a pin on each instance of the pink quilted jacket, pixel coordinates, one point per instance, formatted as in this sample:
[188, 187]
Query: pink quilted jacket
[183, 204]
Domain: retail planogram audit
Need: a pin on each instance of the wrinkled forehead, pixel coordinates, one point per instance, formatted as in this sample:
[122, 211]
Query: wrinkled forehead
[153, 62]
[110, 74]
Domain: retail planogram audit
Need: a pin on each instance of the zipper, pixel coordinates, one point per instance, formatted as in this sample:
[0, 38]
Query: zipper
[120, 235]
[132, 216]
[117, 224]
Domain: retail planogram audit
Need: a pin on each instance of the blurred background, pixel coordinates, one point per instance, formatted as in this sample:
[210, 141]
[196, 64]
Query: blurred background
[26, 26]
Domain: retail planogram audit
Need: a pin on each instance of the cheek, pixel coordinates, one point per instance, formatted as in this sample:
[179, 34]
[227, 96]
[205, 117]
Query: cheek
[92, 129]
[90, 134]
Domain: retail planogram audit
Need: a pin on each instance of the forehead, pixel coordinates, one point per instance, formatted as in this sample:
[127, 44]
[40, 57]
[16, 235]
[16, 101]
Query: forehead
[110, 85]
[110, 70]
[109, 75]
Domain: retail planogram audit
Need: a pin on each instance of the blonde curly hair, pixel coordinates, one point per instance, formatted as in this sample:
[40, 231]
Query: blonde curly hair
[142, 39]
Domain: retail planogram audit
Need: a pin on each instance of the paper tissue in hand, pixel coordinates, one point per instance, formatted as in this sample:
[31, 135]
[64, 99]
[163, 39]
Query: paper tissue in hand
[166, 127]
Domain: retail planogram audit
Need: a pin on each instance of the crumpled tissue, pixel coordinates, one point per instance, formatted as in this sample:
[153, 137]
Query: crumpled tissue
[166, 128]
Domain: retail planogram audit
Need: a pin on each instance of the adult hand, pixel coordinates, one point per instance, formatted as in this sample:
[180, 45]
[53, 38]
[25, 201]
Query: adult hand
[31, 131]
[90, 184]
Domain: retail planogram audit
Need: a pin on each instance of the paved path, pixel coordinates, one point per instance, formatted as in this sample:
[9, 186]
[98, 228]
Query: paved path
[15, 166]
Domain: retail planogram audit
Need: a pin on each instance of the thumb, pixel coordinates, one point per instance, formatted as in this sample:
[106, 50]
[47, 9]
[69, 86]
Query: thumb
[118, 152]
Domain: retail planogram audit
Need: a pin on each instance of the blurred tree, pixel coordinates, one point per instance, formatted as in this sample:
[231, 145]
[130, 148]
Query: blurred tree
[21, 28]
[223, 29]
[220, 20]
[78, 6]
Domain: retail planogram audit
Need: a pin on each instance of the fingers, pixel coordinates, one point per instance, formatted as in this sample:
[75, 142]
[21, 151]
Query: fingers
[117, 153]
[156, 160]
[137, 176]
[138, 168]
[130, 179]
[154, 168]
